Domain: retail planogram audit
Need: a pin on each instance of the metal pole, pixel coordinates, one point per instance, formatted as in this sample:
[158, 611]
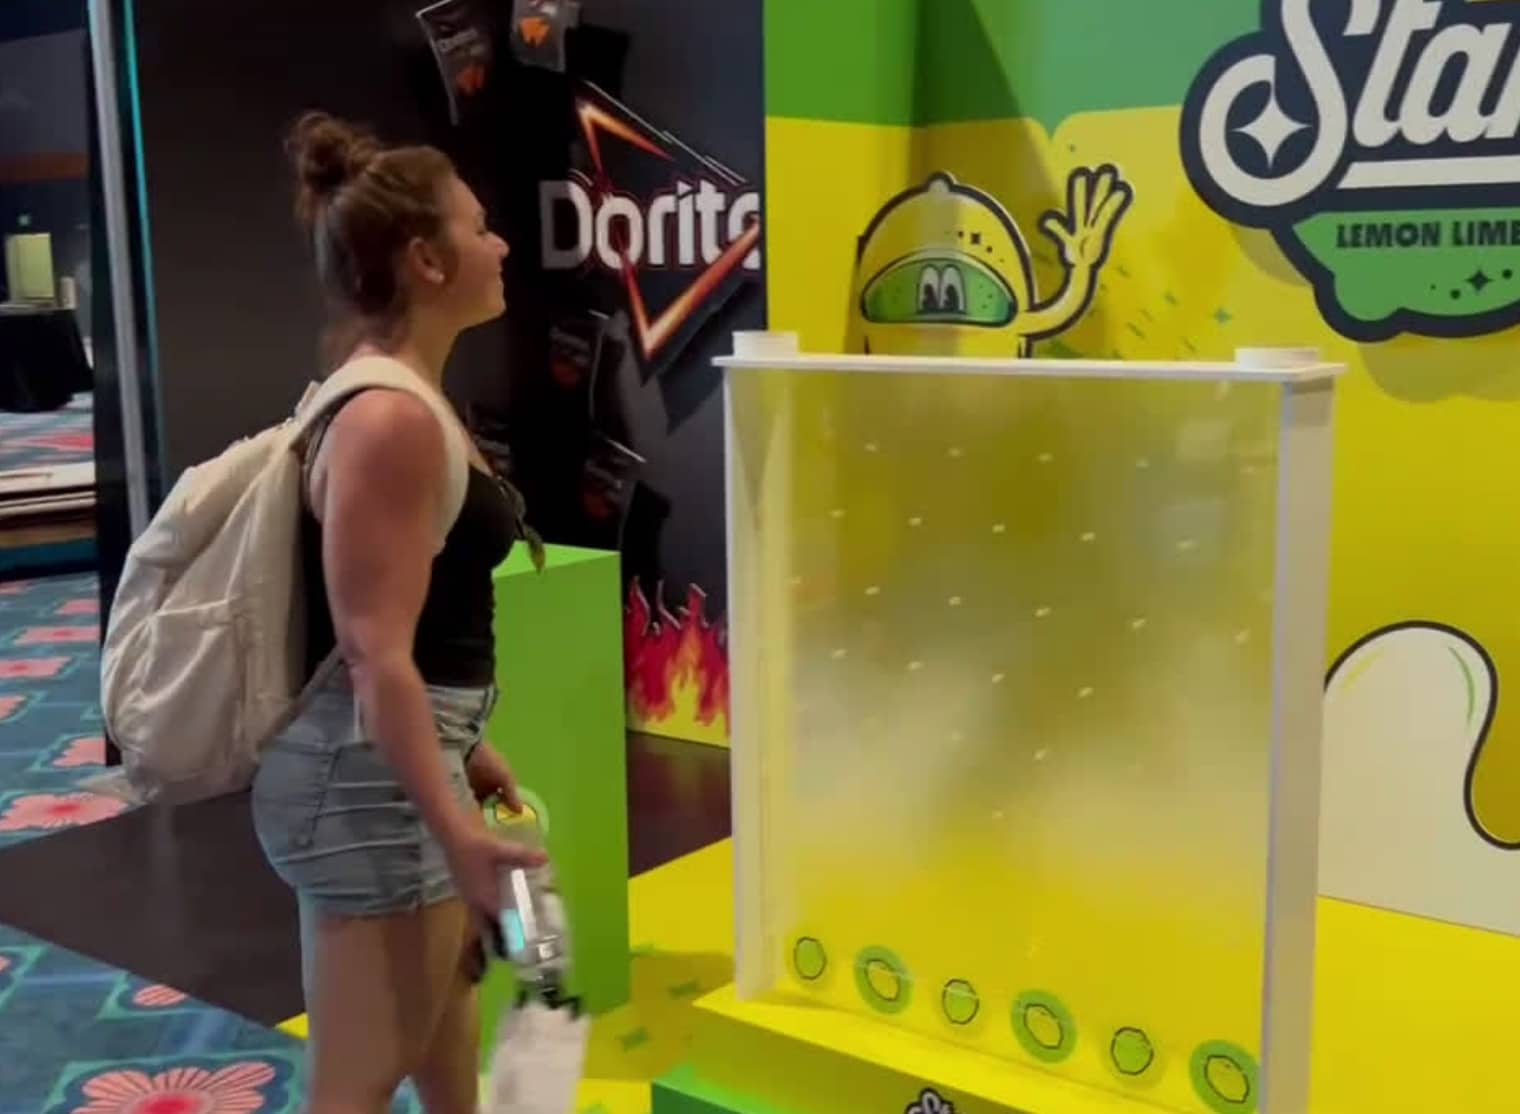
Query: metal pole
[118, 234]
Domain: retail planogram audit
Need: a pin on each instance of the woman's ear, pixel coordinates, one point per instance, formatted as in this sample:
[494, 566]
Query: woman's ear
[425, 263]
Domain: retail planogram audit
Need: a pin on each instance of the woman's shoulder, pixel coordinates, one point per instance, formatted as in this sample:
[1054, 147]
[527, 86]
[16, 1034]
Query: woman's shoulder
[389, 422]
[399, 425]
[384, 391]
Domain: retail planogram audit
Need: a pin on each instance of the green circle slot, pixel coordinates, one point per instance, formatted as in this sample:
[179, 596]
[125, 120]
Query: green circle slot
[1225, 1077]
[960, 1002]
[1131, 1052]
[809, 959]
[883, 980]
[1044, 1026]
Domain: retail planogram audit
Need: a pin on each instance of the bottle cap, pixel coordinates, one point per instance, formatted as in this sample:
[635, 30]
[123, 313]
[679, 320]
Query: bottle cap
[499, 815]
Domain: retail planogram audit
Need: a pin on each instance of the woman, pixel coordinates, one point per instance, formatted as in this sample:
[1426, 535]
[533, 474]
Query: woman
[379, 831]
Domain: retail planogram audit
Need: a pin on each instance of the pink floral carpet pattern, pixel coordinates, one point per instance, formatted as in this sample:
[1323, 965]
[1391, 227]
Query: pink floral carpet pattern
[50, 732]
[241, 1087]
[79, 1037]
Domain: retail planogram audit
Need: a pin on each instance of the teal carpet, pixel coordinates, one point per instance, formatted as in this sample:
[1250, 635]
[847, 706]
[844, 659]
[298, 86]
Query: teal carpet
[78, 1036]
[50, 732]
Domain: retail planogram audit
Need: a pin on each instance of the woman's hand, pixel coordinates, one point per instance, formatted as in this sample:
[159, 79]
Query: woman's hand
[490, 776]
[477, 858]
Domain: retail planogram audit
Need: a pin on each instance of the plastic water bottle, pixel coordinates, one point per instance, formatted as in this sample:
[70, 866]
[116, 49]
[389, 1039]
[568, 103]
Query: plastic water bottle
[541, 1040]
[532, 928]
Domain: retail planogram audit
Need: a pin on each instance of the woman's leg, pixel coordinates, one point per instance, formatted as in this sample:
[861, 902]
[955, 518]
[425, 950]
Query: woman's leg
[377, 989]
[448, 1078]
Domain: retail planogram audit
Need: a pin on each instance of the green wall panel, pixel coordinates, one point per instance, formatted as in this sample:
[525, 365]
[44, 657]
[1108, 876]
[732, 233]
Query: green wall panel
[560, 724]
[849, 60]
[945, 61]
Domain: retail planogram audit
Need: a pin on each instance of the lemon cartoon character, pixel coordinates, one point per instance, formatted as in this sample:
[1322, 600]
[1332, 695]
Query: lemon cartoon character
[945, 270]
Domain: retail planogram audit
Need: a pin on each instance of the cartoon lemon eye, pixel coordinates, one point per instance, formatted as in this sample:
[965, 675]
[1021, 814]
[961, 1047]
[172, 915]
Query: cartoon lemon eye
[952, 290]
[928, 290]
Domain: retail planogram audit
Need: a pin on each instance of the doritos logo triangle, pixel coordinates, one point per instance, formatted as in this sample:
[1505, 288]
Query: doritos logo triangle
[678, 230]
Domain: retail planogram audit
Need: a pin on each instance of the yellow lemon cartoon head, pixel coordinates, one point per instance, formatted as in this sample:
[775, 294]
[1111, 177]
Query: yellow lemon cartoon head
[943, 271]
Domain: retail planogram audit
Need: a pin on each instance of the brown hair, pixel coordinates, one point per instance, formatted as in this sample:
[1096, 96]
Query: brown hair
[363, 203]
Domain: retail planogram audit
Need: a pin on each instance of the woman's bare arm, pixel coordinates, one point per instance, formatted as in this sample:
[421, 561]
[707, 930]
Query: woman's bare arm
[382, 482]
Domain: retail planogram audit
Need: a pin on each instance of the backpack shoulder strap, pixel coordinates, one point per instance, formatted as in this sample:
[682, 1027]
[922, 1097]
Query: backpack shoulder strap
[366, 373]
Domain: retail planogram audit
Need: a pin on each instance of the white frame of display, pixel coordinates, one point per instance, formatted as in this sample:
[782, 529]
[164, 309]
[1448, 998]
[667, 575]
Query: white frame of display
[1300, 601]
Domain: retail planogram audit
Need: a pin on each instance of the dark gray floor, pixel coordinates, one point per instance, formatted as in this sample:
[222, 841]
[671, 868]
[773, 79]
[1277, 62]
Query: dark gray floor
[184, 896]
[181, 896]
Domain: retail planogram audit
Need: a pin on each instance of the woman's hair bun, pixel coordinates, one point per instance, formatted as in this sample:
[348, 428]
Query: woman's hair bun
[327, 153]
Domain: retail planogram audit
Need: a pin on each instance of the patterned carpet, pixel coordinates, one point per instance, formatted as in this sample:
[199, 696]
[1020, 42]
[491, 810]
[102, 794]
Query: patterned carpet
[78, 1036]
[64, 436]
[50, 734]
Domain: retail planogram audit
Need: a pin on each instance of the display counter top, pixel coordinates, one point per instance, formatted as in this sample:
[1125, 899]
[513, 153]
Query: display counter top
[780, 352]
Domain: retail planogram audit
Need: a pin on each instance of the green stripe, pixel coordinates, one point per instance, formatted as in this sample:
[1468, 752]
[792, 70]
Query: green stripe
[847, 60]
[686, 1091]
[949, 61]
[992, 59]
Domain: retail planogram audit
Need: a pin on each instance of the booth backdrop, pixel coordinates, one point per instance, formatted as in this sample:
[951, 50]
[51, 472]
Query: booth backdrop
[616, 443]
[1301, 174]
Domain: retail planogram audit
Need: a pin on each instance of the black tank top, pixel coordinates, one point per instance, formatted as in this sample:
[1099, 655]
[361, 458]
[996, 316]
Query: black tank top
[456, 643]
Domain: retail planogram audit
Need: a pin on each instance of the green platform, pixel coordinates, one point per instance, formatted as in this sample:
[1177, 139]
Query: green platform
[687, 1091]
[560, 723]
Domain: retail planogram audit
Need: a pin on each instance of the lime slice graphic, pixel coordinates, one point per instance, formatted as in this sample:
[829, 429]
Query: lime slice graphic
[883, 980]
[1224, 1075]
[1044, 1026]
[960, 1002]
[809, 959]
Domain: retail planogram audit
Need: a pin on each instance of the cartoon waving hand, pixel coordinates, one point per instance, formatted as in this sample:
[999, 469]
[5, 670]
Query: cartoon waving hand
[1096, 201]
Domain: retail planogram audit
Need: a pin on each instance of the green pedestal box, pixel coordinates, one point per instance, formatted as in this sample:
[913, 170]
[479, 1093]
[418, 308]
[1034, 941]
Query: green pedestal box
[560, 724]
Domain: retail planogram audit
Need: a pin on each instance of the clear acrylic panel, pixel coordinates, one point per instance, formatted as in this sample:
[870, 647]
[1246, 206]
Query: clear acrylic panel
[1006, 667]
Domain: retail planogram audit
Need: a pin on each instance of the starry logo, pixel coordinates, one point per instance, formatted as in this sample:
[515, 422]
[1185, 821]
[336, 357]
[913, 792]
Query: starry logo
[930, 1102]
[1378, 141]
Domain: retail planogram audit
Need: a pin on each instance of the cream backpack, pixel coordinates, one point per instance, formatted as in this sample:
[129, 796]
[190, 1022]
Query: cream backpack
[205, 650]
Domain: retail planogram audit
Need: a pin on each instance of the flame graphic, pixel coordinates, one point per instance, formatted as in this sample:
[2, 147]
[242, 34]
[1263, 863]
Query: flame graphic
[676, 668]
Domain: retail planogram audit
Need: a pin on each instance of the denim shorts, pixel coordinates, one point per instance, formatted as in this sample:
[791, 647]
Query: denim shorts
[334, 821]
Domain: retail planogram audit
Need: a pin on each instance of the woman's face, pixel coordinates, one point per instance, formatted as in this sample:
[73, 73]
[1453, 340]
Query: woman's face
[474, 292]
